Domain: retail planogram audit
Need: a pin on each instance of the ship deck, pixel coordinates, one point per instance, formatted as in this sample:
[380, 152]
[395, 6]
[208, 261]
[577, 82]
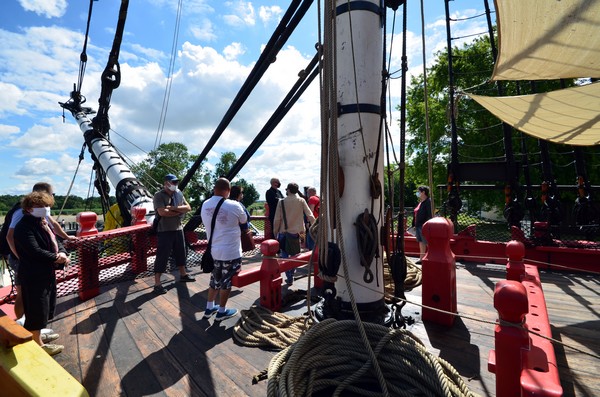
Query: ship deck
[129, 342]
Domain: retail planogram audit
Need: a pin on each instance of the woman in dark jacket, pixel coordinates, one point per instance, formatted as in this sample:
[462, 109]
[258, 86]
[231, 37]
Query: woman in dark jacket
[39, 255]
[422, 215]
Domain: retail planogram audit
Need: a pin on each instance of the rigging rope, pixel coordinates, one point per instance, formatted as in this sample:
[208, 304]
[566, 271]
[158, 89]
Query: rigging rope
[72, 181]
[167, 95]
[83, 55]
[426, 101]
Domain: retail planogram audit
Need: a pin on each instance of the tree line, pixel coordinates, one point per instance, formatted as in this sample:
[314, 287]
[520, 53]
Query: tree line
[73, 204]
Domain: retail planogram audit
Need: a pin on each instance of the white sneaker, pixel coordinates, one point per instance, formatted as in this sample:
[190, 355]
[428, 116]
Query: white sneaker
[21, 321]
[47, 338]
[47, 331]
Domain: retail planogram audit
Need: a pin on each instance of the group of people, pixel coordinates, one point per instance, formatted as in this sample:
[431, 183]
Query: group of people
[36, 252]
[291, 216]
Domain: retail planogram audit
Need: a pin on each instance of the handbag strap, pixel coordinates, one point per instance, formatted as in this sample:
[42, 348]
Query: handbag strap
[284, 218]
[214, 222]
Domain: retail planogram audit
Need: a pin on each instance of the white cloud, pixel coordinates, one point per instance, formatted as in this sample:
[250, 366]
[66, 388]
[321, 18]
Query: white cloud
[45, 8]
[243, 13]
[8, 130]
[203, 31]
[190, 7]
[150, 53]
[233, 50]
[47, 137]
[270, 13]
[10, 99]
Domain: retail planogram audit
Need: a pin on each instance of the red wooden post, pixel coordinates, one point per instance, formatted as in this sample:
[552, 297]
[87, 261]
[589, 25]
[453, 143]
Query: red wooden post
[87, 253]
[510, 300]
[140, 241]
[515, 269]
[270, 276]
[439, 272]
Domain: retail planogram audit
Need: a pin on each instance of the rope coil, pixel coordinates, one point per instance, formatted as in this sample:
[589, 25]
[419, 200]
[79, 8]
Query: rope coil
[321, 361]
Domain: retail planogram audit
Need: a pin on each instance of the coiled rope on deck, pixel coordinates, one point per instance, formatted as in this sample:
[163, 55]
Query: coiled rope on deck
[260, 327]
[321, 361]
[414, 275]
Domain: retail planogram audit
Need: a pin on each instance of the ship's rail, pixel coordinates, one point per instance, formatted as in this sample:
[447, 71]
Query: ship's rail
[107, 257]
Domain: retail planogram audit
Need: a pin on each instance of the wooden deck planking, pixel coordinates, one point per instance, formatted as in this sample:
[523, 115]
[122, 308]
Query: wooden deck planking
[134, 343]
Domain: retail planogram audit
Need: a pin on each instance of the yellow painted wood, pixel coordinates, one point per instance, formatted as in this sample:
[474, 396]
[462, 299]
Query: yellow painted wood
[27, 370]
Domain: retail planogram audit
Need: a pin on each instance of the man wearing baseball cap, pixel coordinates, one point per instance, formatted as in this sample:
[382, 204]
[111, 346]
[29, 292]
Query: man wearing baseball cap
[170, 206]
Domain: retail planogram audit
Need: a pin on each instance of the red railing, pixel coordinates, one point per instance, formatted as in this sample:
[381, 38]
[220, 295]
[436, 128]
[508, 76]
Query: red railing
[524, 362]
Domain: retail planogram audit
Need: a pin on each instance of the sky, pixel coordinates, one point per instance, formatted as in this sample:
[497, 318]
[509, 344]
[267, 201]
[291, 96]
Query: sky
[219, 41]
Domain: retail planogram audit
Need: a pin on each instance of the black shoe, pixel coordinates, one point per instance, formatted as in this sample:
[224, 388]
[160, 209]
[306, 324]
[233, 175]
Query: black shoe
[186, 278]
[418, 262]
[159, 290]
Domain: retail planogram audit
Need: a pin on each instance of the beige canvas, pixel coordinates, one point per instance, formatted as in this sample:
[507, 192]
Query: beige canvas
[547, 39]
[569, 116]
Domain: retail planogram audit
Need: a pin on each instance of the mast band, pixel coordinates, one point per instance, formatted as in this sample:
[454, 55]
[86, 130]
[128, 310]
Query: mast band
[358, 6]
[359, 108]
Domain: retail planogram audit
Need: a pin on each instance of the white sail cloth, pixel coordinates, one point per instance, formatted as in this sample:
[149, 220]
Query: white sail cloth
[541, 40]
[548, 39]
[570, 116]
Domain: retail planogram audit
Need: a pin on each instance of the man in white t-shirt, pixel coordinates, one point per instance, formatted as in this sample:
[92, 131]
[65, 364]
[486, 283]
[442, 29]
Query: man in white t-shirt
[226, 247]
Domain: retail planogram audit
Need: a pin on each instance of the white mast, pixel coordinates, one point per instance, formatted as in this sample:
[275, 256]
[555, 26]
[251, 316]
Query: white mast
[358, 69]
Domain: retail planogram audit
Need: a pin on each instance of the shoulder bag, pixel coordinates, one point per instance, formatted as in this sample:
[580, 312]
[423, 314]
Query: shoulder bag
[207, 263]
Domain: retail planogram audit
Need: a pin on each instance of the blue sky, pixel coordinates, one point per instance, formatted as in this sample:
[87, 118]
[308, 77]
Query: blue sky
[219, 42]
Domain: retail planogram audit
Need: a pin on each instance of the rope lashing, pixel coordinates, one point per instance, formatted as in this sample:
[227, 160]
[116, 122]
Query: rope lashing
[366, 239]
[330, 358]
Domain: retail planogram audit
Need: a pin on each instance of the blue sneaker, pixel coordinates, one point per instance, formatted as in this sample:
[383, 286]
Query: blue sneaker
[209, 312]
[226, 314]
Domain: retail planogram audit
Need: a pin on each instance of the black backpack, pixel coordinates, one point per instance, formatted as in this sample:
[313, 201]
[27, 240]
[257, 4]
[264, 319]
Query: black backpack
[4, 247]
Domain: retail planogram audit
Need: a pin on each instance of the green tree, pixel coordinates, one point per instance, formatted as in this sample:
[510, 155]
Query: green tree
[173, 158]
[224, 165]
[250, 193]
[226, 162]
[480, 134]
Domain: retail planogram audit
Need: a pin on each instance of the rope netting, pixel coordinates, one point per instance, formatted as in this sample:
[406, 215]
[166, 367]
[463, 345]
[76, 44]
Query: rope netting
[128, 253]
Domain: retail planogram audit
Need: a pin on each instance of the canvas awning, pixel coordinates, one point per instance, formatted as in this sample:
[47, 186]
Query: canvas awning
[570, 116]
[547, 39]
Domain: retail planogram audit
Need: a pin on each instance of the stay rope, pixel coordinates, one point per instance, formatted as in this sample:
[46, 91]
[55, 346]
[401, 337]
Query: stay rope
[169, 83]
[426, 102]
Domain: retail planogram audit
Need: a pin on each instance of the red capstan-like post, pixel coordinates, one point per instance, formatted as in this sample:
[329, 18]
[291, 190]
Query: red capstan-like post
[439, 272]
[87, 224]
[515, 268]
[138, 216]
[89, 285]
[511, 339]
[270, 276]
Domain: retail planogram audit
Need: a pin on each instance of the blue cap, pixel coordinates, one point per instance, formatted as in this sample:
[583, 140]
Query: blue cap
[171, 178]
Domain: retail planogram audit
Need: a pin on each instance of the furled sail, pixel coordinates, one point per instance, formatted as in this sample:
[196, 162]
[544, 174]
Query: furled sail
[570, 116]
[547, 40]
